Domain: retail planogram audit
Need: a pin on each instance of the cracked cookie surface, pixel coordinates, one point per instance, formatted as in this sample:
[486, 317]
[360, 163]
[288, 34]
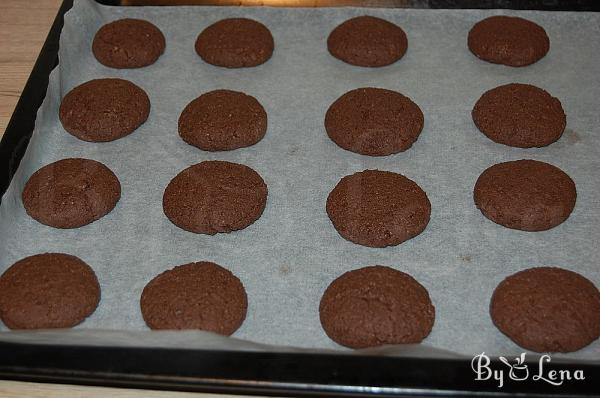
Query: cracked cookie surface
[374, 121]
[376, 305]
[547, 309]
[520, 115]
[200, 295]
[367, 41]
[71, 193]
[215, 196]
[104, 109]
[378, 208]
[510, 41]
[50, 290]
[235, 43]
[223, 120]
[128, 43]
[527, 195]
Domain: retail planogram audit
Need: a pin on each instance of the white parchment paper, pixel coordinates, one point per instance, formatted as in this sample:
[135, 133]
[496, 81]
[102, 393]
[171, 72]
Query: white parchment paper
[289, 256]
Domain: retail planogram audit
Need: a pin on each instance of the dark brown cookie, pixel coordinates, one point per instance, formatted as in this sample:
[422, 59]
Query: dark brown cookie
[367, 41]
[374, 121]
[51, 290]
[199, 295]
[378, 208]
[509, 41]
[215, 196]
[104, 109]
[71, 193]
[525, 194]
[223, 120]
[128, 43]
[235, 43]
[374, 306]
[547, 309]
[520, 115]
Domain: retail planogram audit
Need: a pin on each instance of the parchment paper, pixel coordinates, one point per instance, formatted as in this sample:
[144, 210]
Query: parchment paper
[289, 256]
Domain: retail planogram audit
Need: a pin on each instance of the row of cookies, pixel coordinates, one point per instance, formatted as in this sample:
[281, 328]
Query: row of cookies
[369, 121]
[362, 308]
[362, 41]
[372, 208]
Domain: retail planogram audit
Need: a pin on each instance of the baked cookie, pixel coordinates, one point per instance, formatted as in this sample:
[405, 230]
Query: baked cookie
[71, 193]
[215, 196]
[367, 41]
[235, 43]
[51, 290]
[223, 120]
[511, 41]
[128, 43]
[520, 115]
[547, 309]
[378, 208]
[104, 109]
[525, 194]
[374, 121]
[374, 306]
[199, 295]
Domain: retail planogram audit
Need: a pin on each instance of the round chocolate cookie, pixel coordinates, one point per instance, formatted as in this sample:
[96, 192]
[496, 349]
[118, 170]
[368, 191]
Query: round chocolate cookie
[235, 43]
[71, 193]
[520, 115]
[525, 194]
[374, 306]
[51, 290]
[374, 121]
[509, 41]
[223, 120]
[367, 41]
[104, 109]
[215, 196]
[378, 208]
[547, 309]
[199, 295]
[128, 43]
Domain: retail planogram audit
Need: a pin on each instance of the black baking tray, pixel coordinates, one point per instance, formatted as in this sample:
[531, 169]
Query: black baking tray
[260, 373]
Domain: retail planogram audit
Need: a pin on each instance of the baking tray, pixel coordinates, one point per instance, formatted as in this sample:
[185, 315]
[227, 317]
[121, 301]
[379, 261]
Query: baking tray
[256, 372]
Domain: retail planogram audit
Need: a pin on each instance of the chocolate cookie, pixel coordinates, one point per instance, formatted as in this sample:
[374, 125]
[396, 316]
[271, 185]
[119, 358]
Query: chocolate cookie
[223, 120]
[128, 43]
[525, 194]
[51, 290]
[374, 306]
[215, 196]
[547, 309]
[378, 208]
[367, 41]
[520, 115]
[374, 121]
[509, 41]
[104, 109]
[199, 295]
[235, 43]
[71, 193]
